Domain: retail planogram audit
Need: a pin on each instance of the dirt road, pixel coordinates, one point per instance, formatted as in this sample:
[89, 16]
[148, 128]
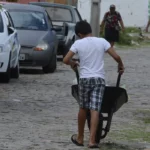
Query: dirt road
[37, 112]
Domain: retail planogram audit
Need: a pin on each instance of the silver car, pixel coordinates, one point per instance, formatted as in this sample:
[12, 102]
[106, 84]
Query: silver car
[9, 48]
[36, 35]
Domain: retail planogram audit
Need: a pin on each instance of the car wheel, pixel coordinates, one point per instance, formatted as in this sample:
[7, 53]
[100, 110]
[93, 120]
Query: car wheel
[15, 72]
[5, 77]
[51, 67]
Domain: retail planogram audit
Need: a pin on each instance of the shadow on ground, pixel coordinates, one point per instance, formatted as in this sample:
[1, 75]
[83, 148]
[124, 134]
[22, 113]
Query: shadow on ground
[114, 146]
[32, 71]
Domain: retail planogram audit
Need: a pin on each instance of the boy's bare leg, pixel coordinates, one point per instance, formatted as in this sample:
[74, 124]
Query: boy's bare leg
[94, 124]
[81, 125]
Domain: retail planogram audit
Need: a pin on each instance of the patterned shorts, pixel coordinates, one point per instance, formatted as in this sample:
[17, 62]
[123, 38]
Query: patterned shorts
[91, 91]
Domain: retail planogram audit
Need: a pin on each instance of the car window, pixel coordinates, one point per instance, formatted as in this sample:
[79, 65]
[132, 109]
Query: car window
[49, 19]
[77, 16]
[59, 14]
[1, 24]
[9, 19]
[28, 20]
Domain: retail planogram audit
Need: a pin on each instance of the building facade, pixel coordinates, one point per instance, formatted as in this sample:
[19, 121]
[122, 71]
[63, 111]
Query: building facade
[71, 2]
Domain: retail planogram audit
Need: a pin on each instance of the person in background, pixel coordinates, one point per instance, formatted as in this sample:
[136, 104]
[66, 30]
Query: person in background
[111, 22]
[91, 52]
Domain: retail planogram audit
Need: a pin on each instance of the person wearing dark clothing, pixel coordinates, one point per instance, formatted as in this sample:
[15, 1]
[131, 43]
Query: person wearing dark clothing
[111, 22]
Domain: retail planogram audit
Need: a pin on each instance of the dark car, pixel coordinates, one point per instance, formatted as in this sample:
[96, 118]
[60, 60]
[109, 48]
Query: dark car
[64, 17]
[38, 41]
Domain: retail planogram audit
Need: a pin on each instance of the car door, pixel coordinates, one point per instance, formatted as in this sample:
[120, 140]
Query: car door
[13, 39]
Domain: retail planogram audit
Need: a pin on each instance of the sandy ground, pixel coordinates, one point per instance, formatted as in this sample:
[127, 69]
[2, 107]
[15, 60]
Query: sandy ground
[37, 112]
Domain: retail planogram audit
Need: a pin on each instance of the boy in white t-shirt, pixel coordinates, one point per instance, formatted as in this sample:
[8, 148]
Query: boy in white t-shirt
[91, 52]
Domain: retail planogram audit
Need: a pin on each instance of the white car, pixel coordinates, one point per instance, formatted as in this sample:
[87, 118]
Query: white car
[9, 48]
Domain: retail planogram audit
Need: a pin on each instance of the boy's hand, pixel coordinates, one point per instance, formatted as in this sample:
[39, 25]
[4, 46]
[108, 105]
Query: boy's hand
[74, 65]
[121, 69]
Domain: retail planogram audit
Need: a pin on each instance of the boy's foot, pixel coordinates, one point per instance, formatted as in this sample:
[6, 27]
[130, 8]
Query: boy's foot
[74, 140]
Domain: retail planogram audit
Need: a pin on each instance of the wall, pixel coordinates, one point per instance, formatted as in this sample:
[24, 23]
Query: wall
[134, 12]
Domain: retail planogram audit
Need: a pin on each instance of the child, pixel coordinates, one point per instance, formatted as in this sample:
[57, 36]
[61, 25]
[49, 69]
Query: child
[91, 52]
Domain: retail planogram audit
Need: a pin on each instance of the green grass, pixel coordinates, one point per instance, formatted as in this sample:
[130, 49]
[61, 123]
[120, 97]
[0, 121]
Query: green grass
[132, 30]
[140, 132]
[137, 134]
[146, 120]
[143, 115]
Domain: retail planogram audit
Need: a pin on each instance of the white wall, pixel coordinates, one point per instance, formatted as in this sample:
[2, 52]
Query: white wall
[133, 12]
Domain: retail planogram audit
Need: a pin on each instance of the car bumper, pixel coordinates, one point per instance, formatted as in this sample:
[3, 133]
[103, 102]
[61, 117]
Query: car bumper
[4, 61]
[30, 57]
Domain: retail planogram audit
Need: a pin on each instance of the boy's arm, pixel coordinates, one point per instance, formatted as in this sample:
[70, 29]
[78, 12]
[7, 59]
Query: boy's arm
[68, 60]
[117, 58]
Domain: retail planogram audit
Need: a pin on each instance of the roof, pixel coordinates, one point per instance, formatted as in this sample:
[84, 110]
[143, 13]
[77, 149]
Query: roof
[16, 6]
[52, 4]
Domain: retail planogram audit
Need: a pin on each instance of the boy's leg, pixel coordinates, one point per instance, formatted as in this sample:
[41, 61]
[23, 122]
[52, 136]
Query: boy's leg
[84, 105]
[94, 125]
[96, 97]
[81, 125]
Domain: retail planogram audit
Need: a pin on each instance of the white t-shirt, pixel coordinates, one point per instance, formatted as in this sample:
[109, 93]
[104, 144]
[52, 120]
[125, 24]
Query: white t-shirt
[91, 52]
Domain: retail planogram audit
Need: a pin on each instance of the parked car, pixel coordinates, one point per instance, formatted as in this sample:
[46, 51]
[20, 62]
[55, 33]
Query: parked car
[64, 16]
[9, 48]
[36, 35]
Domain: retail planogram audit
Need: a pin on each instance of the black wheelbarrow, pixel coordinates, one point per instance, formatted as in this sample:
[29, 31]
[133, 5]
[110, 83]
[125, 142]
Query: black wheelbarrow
[114, 98]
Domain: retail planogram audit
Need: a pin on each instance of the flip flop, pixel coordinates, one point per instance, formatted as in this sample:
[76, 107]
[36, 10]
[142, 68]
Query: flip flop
[93, 146]
[74, 140]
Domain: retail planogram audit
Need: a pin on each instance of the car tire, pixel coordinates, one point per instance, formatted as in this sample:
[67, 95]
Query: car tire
[15, 71]
[5, 77]
[51, 67]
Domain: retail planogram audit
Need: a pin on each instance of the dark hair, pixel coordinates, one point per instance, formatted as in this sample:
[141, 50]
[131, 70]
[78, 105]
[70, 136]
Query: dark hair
[83, 27]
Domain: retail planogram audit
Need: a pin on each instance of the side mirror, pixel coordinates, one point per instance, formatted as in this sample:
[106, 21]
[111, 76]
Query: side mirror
[57, 29]
[10, 30]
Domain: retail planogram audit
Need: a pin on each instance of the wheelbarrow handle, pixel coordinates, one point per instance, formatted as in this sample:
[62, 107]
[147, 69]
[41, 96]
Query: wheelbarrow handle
[77, 75]
[118, 80]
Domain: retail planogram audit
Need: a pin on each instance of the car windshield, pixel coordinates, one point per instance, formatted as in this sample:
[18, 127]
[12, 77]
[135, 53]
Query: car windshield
[28, 20]
[59, 14]
[1, 24]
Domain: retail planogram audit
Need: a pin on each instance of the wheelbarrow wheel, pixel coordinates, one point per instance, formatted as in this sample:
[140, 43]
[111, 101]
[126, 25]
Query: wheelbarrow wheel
[99, 129]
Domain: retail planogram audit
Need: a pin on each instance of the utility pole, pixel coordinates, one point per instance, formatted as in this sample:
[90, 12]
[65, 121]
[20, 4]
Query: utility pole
[95, 17]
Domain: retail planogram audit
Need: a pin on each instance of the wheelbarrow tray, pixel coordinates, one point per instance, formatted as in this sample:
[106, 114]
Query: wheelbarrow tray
[114, 98]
